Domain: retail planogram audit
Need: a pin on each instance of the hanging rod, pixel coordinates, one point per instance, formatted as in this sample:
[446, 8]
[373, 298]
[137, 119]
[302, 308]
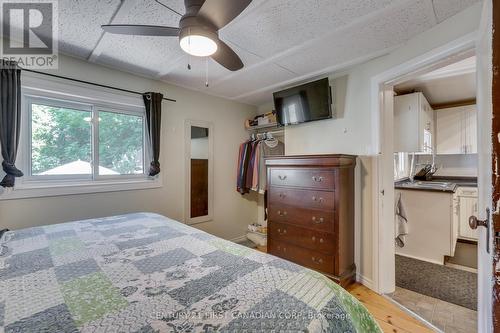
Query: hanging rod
[273, 133]
[92, 83]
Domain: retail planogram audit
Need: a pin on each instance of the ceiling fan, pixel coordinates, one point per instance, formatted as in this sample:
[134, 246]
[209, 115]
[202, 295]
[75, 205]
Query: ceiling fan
[198, 29]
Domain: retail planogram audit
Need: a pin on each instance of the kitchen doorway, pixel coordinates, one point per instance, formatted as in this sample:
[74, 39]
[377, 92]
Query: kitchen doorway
[387, 264]
[435, 188]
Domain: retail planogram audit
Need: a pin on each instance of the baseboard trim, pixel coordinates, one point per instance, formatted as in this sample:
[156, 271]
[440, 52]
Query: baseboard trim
[436, 262]
[239, 239]
[364, 281]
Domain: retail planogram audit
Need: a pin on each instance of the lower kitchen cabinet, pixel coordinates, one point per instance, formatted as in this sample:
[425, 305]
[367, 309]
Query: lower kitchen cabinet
[465, 203]
[432, 227]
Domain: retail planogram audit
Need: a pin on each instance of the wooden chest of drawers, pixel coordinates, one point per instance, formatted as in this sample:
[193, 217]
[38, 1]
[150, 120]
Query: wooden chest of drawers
[311, 212]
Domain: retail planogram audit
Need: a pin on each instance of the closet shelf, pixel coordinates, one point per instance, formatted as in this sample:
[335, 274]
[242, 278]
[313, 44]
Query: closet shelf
[266, 126]
[273, 129]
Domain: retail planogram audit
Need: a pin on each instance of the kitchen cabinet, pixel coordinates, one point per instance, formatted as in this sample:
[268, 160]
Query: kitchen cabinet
[413, 124]
[456, 130]
[465, 205]
[432, 228]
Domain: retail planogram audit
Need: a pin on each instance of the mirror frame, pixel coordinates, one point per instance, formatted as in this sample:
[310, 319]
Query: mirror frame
[187, 167]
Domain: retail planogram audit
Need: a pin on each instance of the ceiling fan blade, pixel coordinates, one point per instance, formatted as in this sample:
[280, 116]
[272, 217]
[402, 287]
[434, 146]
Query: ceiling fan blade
[221, 12]
[227, 57]
[141, 30]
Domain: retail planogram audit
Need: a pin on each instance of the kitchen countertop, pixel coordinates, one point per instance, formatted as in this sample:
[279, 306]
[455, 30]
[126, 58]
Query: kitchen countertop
[437, 184]
[460, 181]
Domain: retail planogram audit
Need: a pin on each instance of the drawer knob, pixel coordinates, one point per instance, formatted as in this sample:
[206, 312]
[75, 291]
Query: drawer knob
[317, 179]
[282, 232]
[318, 220]
[280, 248]
[282, 195]
[320, 240]
[320, 199]
[317, 261]
[282, 177]
[282, 213]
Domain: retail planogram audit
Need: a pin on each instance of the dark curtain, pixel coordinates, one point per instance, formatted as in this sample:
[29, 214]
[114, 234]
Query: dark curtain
[10, 119]
[152, 102]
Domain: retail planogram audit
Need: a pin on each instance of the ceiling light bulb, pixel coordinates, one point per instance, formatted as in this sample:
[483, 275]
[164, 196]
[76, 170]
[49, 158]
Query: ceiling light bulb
[198, 46]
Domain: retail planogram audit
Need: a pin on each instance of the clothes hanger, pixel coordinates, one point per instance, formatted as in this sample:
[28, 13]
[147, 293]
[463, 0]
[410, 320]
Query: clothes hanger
[271, 141]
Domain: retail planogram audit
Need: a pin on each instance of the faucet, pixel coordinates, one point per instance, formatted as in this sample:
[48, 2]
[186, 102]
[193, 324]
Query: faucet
[412, 168]
[432, 167]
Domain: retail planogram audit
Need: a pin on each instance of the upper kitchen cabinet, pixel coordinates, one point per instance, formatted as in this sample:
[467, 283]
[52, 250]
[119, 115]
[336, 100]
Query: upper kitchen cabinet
[456, 130]
[413, 124]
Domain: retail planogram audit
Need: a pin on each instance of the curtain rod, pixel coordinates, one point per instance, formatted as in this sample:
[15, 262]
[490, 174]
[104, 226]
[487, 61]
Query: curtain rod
[91, 83]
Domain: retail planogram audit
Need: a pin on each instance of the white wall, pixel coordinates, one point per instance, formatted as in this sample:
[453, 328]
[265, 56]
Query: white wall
[351, 131]
[232, 212]
[464, 165]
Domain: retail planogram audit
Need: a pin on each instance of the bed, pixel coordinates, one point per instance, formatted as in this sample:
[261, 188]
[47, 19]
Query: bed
[146, 273]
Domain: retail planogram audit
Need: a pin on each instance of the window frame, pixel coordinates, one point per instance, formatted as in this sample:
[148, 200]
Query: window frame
[28, 147]
[95, 141]
[85, 99]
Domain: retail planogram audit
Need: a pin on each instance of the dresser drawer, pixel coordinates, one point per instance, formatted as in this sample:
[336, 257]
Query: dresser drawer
[311, 239]
[303, 177]
[302, 217]
[305, 257]
[302, 198]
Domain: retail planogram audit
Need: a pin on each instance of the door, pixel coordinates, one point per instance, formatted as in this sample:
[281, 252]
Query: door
[468, 207]
[488, 151]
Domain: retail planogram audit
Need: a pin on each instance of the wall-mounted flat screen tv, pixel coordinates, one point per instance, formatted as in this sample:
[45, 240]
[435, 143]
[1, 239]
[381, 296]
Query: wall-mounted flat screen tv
[308, 102]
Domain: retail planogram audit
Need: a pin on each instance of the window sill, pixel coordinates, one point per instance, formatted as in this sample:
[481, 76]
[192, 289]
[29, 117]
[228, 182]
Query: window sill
[26, 190]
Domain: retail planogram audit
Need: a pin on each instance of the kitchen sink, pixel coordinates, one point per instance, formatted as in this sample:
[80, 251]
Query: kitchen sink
[433, 184]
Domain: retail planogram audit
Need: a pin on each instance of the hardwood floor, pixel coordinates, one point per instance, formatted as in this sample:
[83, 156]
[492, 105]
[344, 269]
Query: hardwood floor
[389, 316]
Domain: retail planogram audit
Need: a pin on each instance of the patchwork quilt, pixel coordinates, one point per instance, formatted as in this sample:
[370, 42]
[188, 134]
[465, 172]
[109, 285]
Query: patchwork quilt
[146, 273]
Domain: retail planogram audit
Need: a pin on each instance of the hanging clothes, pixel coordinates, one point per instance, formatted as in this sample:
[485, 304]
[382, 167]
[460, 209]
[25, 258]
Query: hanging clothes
[267, 151]
[256, 166]
[251, 164]
[243, 158]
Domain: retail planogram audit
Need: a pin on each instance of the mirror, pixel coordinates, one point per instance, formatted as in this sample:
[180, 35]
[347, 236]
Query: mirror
[199, 171]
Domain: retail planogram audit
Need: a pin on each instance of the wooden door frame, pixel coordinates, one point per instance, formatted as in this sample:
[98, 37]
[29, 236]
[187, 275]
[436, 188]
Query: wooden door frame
[495, 130]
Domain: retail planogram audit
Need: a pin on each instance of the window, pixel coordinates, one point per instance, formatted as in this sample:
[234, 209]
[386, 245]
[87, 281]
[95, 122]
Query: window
[121, 144]
[61, 140]
[75, 141]
[78, 139]
[401, 166]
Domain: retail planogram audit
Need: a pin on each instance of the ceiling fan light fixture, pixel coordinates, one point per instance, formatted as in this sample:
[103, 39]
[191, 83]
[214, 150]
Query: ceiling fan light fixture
[198, 45]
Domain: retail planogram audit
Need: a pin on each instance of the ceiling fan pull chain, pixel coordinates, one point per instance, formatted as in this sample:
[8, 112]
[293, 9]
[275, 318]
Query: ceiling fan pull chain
[169, 8]
[206, 72]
